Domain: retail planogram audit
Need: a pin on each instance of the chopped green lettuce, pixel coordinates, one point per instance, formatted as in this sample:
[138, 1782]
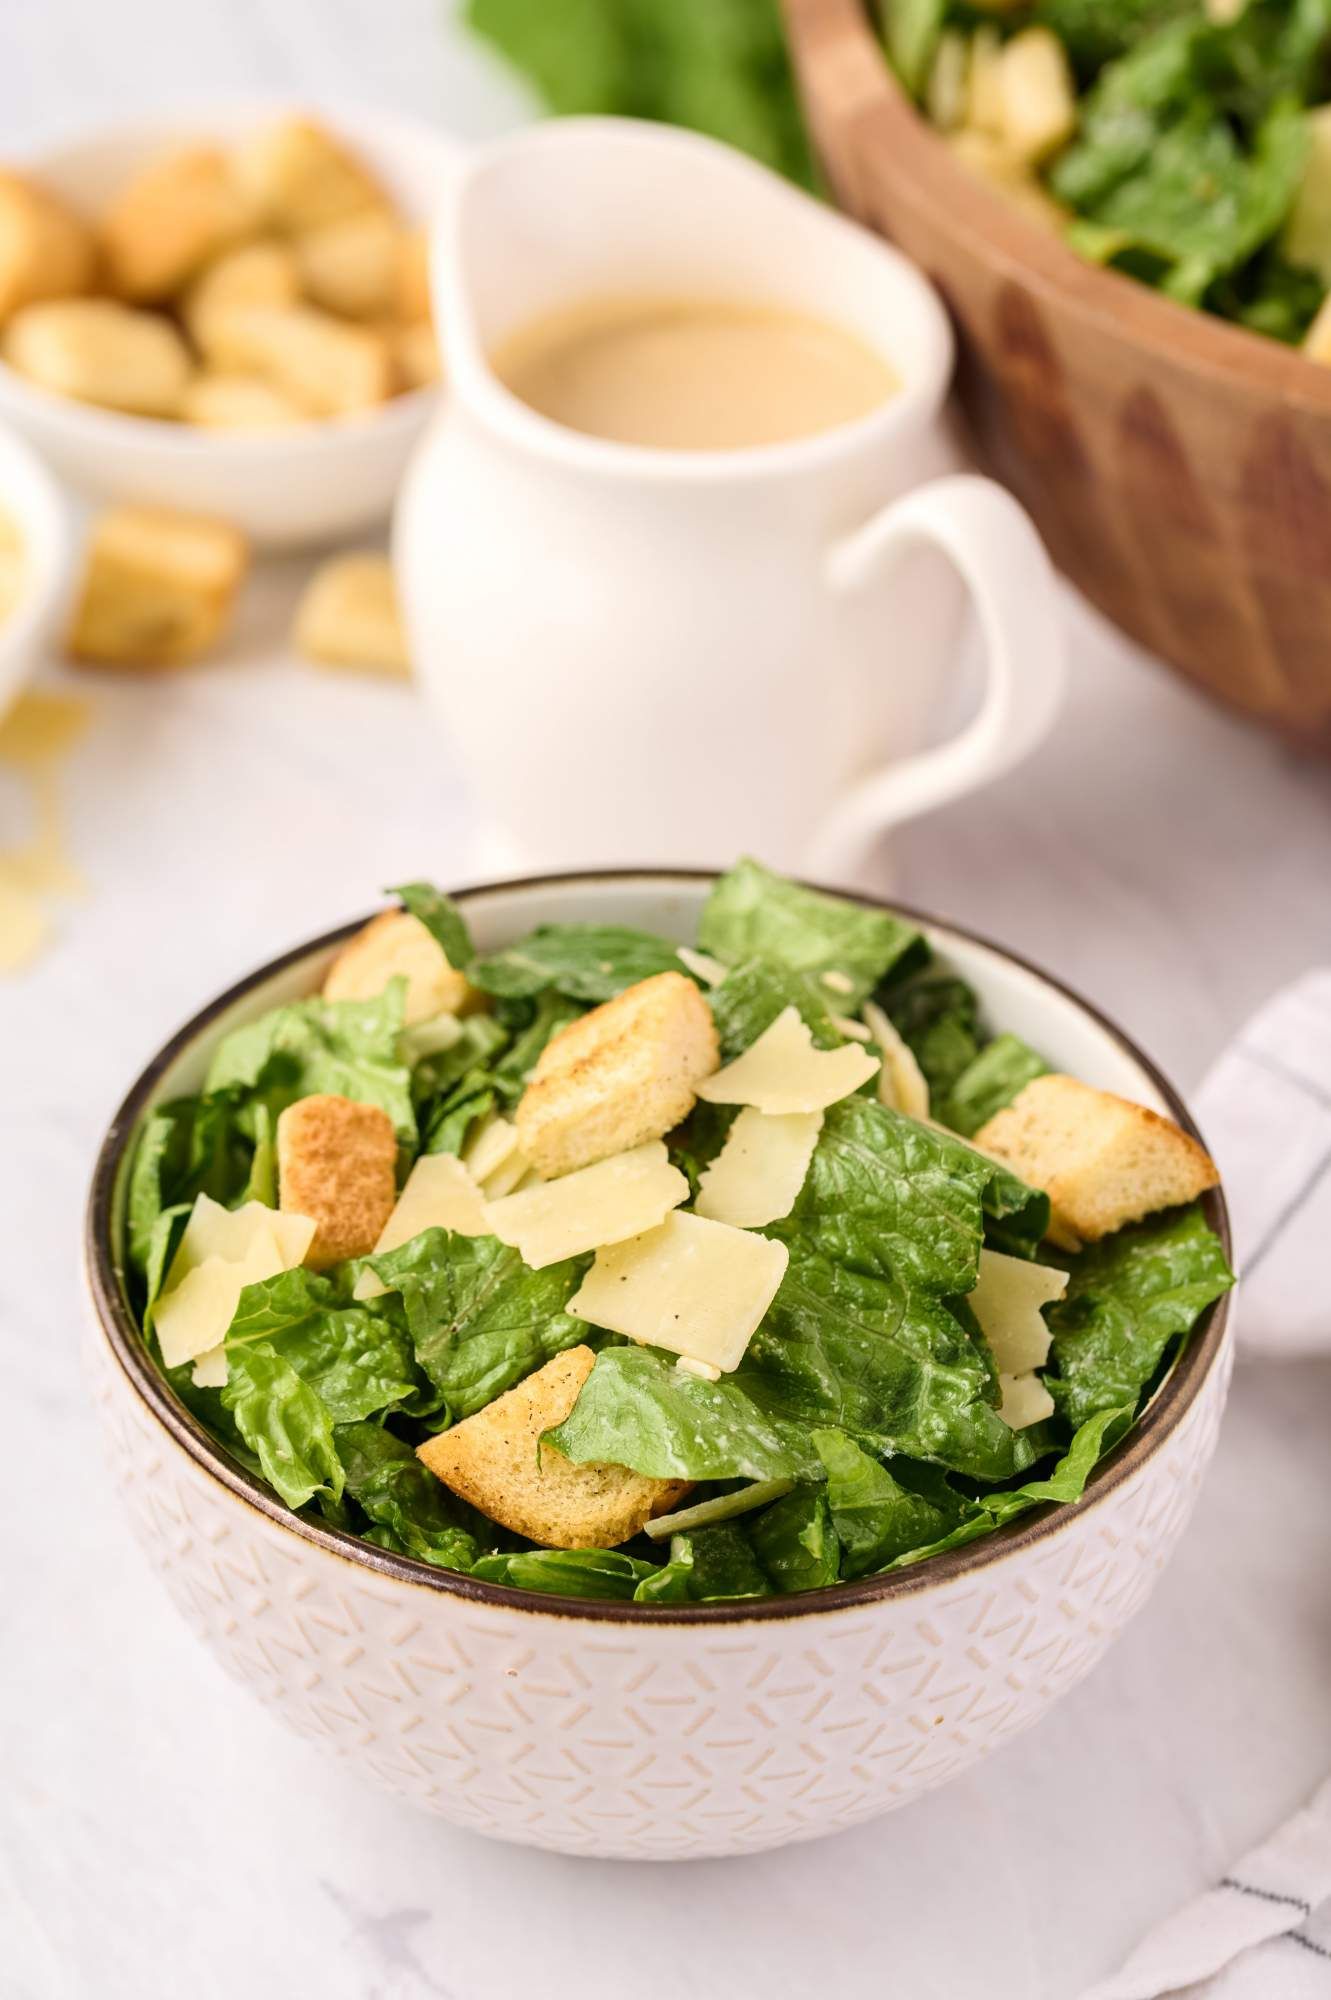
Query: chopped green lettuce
[999, 1073]
[348, 1048]
[752, 913]
[589, 962]
[442, 918]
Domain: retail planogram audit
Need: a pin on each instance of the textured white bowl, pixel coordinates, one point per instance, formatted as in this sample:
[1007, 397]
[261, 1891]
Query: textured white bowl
[286, 489]
[31, 499]
[637, 1732]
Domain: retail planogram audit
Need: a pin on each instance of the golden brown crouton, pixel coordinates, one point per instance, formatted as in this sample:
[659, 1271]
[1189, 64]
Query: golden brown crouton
[101, 352]
[396, 945]
[351, 267]
[158, 587]
[625, 1073]
[1102, 1160]
[337, 1164]
[348, 617]
[171, 218]
[220, 402]
[413, 276]
[497, 1462]
[255, 274]
[329, 368]
[300, 177]
[45, 251]
[415, 351]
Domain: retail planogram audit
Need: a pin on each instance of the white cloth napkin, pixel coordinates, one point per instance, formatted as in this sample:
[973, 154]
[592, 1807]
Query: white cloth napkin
[1264, 1931]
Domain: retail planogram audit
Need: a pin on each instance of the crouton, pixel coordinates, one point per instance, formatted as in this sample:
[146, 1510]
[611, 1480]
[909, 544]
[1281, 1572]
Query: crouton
[300, 177]
[45, 251]
[174, 216]
[396, 945]
[348, 617]
[496, 1461]
[256, 274]
[352, 267]
[412, 300]
[625, 1073]
[220, 402]
[101, 352]
[158, 587]
[1102, 1160]
[329, 368]
[337, 1164]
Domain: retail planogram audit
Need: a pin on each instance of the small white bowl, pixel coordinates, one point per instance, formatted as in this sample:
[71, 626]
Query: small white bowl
[645, 1731]
[285, 489]
[32, 501]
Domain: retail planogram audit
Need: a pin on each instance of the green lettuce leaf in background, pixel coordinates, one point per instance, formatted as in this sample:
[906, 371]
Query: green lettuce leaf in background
[938, 1019]
[875, 1517]
[752, 913]
[1128, 1298]
[718, 66]
[479, 1319]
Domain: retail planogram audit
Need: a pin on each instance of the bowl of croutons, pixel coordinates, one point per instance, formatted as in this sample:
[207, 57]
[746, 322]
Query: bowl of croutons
[656, 1364]
[226, 312]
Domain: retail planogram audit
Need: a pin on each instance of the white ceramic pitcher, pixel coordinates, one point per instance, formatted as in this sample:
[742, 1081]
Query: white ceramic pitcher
[673, 655]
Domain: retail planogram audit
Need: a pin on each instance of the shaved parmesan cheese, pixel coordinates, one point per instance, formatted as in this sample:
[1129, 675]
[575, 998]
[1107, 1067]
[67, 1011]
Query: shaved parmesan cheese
[695, 1287]
[757, 1175]
[221, 1251]
[783, 1071]
[721, 1507]
[493, 1146]
[686, 1365]
[429, 1038]
[515, 1170]
[439, 1194]
[838, 982]
[709, 970]
[856, 1030]
[1007, 1299]
[605, 1203]
[901, 1082]
[1025, 1400]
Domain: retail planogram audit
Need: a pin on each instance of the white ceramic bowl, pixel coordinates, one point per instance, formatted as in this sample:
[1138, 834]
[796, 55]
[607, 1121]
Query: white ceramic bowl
[31, 499]
[633, 1731]
[286, 489]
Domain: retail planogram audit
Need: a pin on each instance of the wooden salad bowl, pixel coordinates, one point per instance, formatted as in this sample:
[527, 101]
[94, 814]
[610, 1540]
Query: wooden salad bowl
[1179, 468]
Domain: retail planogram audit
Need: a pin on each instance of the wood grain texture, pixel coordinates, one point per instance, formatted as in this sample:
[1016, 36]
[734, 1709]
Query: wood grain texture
[1179, 468]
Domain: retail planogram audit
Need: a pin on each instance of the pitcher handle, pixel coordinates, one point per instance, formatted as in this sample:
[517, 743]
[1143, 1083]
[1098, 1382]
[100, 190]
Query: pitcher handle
[1000, 558]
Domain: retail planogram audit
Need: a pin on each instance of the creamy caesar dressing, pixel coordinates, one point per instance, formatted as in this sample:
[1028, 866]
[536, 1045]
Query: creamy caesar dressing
[692, 375]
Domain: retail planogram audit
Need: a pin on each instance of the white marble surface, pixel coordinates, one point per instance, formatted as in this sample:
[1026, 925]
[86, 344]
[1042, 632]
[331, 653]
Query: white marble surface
[158, 1833]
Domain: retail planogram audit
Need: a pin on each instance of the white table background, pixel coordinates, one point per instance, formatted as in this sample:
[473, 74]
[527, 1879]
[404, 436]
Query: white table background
[159, 1835]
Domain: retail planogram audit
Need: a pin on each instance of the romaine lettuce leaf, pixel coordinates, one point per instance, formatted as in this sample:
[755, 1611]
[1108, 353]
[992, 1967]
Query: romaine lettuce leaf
[875, 1517]
[442, 918]
[795, 1541]
[999, 1073]
[749, 999]
[348, 1048]
[637, 1409]
[479, 1319]
[938, 1019]
[600, 1573]
[752, 913]
[589, 962]
[285, 1423]
[1127, 1299]
[358, 1358]
[402, 1497]
[707, 1565]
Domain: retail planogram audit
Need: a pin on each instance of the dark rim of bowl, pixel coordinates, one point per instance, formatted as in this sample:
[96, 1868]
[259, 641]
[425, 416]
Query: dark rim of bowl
[1163, 1414]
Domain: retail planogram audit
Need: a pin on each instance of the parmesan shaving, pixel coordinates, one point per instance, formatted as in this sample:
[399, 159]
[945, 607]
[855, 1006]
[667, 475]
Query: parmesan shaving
[757, 1175]
[606, 1203]
[784, 1072]
[1007, 1301]
[901, 1082]
[702, 966]
[1025, 1400]
[439, 1194]
[694, 1287]
[221, 1251]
